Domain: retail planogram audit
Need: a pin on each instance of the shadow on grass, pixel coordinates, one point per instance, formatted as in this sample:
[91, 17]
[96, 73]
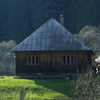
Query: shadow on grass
[36, 88]
[62, 86]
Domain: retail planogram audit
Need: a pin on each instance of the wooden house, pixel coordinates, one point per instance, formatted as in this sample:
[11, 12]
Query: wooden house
[52, 49]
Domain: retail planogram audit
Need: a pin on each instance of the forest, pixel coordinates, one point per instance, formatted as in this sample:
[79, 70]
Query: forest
[19, 18]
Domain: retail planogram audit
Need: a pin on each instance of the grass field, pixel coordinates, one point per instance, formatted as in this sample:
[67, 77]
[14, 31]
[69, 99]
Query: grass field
[11, 89]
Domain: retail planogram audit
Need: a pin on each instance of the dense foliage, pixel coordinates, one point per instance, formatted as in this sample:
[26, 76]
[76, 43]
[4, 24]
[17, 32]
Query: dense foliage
[19, 18]
[90, 35]
[87, 86]
[6, 58]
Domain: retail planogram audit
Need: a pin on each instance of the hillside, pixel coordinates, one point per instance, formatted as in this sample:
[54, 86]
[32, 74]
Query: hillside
[19, 18]
[35, 89]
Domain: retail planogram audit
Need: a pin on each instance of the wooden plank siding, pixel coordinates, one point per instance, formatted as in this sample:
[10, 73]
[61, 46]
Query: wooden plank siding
[51, 61]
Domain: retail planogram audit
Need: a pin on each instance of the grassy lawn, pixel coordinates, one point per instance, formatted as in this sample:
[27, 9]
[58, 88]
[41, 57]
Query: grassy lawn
[11, 89]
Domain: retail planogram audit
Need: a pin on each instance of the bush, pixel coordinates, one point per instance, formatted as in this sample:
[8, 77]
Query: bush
[90, 36]
[7, 58]
[87, 87]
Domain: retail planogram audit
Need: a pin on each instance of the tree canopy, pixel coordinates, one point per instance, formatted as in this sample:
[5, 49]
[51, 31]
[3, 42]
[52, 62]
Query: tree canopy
[19, 18]
[90, 35]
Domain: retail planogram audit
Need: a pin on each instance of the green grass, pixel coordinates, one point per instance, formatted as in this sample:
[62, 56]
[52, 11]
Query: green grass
[10, 88]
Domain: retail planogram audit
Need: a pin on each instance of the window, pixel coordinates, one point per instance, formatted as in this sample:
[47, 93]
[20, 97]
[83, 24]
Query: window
[33, 60]
[68, 59]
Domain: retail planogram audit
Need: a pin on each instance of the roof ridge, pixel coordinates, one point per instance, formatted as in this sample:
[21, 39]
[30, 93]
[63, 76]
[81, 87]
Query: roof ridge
[42, 25]
[45, 38]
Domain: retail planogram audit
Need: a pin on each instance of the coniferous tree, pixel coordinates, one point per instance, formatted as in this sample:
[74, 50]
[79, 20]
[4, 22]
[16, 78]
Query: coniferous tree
[84, 12]
[19, 18]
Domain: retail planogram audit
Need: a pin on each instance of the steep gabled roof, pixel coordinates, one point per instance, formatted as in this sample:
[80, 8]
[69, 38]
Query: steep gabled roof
[51, 36]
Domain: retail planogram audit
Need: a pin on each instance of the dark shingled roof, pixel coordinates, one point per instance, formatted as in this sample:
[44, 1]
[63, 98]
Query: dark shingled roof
[51, 36]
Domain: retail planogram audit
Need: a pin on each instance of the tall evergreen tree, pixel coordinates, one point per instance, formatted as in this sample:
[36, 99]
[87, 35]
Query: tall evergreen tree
[3, 18]
[19, 18]
[84, 12]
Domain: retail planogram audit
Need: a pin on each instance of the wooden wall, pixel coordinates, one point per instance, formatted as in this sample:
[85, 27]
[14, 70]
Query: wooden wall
[52, 62]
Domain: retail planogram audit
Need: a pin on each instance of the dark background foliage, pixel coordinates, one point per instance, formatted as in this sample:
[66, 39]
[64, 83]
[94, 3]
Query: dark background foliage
[19, 18]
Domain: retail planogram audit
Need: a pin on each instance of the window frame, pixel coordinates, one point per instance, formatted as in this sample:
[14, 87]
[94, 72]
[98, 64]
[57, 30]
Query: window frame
[31, 60]
[69, 61]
